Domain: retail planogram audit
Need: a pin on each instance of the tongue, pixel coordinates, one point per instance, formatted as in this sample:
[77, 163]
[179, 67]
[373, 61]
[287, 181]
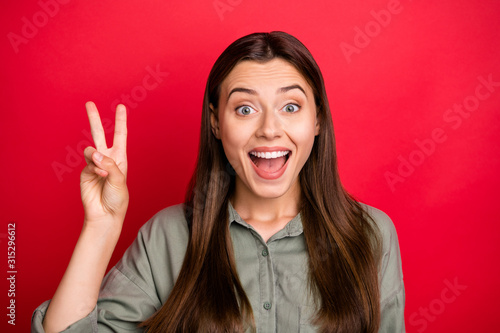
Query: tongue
[270, 165]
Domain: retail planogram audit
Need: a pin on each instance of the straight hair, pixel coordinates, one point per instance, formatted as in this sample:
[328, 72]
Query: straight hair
[342, 241]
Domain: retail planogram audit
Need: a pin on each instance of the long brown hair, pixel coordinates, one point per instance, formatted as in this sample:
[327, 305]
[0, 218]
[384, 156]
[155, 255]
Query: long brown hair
[341, 240]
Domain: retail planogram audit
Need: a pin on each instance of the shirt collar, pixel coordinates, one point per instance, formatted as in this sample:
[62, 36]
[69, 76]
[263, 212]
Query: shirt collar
[292, 228]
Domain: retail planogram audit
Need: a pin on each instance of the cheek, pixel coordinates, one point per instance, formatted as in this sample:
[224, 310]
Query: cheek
[303, 137]
[302, 132]
[234, 139]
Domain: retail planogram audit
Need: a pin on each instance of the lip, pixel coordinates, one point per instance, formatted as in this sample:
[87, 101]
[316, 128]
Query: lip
[270, 175]
[270, 149]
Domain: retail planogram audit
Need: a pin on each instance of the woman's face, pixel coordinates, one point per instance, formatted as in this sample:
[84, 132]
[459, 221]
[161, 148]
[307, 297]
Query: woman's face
[267, 123]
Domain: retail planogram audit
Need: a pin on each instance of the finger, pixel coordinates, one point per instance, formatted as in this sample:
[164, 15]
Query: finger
[96, 126]
[120, 138]
[91, 168]
[87, 153]
[100, 172]
[91, 160]
[115, 176]
[92, 156]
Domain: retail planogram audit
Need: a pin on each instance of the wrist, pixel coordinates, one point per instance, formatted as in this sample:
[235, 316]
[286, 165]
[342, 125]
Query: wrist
[107, 228]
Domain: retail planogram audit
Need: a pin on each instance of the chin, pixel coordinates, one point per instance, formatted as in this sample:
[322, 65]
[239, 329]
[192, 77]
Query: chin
[271, 191]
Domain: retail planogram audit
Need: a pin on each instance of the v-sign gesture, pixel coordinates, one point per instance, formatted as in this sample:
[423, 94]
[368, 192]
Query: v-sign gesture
[103, 181]
[105, 200]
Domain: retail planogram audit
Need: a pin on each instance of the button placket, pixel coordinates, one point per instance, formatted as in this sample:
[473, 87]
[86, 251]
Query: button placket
[267, 320]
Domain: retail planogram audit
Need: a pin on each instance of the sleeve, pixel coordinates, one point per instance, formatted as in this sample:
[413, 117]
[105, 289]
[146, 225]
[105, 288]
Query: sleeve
[125, 300]
[392, 291]
[132, 290]
[84, 325]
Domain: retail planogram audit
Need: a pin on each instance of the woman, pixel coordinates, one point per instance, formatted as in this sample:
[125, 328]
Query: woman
[268, 240]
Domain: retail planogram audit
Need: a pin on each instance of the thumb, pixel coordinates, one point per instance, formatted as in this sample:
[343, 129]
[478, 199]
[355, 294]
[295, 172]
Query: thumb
[111, 170]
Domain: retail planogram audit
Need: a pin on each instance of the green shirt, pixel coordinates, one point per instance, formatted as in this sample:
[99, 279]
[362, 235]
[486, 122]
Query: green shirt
[273, 274]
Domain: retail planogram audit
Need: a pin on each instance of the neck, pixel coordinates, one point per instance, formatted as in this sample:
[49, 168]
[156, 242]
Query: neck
[252, 207]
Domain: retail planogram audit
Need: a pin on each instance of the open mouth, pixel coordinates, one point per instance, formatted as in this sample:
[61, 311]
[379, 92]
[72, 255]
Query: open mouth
[270, 162]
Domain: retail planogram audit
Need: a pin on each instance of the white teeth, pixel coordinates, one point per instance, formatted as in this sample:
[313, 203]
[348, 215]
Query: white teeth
[269, 155]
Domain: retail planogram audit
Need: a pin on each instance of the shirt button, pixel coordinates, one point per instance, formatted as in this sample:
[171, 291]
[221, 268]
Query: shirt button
[267, 305]
[265, 253]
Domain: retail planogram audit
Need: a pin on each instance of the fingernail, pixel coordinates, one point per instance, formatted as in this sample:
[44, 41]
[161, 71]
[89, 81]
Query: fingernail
[98, 156]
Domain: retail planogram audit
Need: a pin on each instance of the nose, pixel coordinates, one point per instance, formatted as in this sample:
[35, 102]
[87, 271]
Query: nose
[270, 125]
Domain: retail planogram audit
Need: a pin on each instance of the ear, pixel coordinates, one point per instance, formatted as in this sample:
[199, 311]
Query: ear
[214, 122]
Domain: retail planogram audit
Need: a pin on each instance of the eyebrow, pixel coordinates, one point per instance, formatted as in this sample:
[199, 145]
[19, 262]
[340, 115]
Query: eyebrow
[243, 90]
[293, 86]
[280, 90]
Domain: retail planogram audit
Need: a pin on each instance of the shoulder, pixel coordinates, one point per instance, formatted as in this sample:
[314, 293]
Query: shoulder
[170, 222]
[163, 237]
[384, 225]
[155, 257]
[390, 267]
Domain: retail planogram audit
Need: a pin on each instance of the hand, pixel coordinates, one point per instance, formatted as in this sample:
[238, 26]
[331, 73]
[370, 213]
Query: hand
[103, 181]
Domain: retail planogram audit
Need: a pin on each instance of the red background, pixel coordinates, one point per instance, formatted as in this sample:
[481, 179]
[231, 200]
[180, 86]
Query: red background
[393, 92]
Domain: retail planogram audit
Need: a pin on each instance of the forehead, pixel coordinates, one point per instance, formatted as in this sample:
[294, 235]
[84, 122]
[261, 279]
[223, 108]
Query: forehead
[252, 74]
